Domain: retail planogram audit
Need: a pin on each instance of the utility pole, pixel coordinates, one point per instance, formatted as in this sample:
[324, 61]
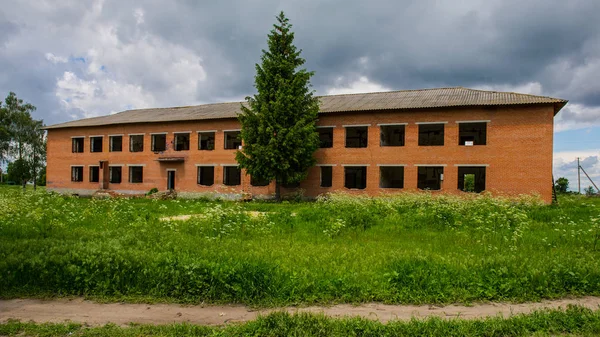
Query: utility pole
[578, 176]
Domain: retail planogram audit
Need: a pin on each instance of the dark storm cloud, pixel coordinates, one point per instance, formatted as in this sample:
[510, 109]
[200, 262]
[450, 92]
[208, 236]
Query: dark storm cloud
[395, 44]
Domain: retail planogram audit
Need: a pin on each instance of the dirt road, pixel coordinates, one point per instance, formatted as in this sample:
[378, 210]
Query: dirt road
[82, 311]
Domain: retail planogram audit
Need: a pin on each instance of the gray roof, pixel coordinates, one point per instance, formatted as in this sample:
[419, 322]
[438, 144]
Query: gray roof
[390, 100]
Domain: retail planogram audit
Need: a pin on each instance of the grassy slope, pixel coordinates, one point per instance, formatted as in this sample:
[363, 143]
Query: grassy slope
[574, 321]
[409, 249]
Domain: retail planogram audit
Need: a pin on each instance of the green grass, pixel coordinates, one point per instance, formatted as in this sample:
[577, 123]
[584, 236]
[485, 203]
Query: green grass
[575, 321]
[412, 248]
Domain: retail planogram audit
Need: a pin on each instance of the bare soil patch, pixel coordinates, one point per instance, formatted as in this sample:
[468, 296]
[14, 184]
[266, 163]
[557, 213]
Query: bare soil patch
[91, 313]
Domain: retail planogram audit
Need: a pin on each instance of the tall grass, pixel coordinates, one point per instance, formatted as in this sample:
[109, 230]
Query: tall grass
[409, 248]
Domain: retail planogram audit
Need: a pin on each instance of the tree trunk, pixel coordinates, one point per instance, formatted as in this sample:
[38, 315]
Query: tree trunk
[24, 184]
[277, 190]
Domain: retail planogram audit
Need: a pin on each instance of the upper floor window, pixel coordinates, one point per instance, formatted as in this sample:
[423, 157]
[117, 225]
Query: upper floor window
[159, 142]
[182, 141]
[472, 133]
[357, 136]
[431, 134]
[392, 135]
[232, 140]
[77, 144]
[115, 143]
[325, 137]
[136, 143]
[96, 144]
[206, 140]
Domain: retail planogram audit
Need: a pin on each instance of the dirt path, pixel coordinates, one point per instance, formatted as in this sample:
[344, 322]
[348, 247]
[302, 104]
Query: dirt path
[82, 311]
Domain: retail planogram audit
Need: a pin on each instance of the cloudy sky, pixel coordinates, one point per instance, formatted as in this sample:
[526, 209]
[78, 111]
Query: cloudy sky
[83, 58]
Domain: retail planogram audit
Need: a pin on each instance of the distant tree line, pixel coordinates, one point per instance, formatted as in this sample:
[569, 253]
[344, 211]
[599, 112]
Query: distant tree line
[22, 142]
[561, 185]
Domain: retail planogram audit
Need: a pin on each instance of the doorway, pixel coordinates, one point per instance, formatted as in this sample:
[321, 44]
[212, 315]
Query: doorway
[170, 180]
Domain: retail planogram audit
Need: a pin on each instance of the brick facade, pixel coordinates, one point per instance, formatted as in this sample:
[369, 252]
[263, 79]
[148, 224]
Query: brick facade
[517, 156]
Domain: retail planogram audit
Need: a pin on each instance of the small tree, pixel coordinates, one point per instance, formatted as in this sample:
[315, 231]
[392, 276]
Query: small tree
[589, 191]
[19, 171]
[278, 124]
[561, 185]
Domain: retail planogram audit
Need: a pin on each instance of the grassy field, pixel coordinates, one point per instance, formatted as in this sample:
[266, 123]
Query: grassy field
[402, 249]
[574, 321]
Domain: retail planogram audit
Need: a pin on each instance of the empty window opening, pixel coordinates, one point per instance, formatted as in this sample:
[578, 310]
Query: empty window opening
[471, 179]
[325, 137]
[431, 134]
[256, 181]
[206, 141]
[291, 185]
[326, 176]
[136, 143]
[115, 143]
[96, 144]
[391, 177]
[206, 175]
[392, 135]
[77, 173]
[136, 174]
[232, 140]
[355, 177]
[182, 141]
[472, 133]
[77, 144]
[357, 136]
[232, 175]
[430, 178]
[114, 174]
[94, 174]
[159, 143]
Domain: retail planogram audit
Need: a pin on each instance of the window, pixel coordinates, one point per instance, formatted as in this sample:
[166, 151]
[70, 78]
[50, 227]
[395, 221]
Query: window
[472, 133]
[77, 144]
[430, 177]
[355, 177]
[431, 134]
[114, 174]
[206, 141]
[136, 143]
[96, 144]
[392, 135]
[136, 174]
[259, 181]
[391, 176]
[94, 174]
[159, 142]
[206, 175]
[356, 136]
[232, 175]
[326, 176]
[471, 179]
[76, 173]
[290, 185]
[232, 140]
[115, 143]
[325, 137]
[182, 141]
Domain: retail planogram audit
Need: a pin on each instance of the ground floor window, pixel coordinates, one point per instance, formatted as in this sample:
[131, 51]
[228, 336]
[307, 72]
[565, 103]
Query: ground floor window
[136, 174]
[430, 177]
[254, 181]
[391, 176]
[355, 177]
[94, 174]
[326, 176]
[471, 179]
[115, 174]
[206, 175]
[76, 173]
[232, 176]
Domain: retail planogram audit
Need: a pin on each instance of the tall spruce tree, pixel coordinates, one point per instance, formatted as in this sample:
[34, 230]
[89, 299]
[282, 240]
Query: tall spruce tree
[278, 123]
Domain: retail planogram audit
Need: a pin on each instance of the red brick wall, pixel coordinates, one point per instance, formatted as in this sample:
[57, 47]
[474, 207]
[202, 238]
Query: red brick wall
[518, 152]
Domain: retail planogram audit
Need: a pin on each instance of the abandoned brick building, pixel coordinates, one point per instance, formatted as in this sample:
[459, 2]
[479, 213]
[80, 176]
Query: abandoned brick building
[448, 139]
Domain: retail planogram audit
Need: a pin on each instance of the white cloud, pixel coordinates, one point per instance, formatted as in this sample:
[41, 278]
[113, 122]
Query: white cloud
[55, 59]
[577, 116]
[361, 85]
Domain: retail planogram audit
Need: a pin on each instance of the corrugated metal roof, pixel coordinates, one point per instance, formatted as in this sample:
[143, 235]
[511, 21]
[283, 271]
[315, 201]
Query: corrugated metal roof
[403, 99]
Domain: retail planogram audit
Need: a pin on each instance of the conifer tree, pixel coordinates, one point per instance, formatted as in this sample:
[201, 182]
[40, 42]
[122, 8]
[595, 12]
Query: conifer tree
[278, 123]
